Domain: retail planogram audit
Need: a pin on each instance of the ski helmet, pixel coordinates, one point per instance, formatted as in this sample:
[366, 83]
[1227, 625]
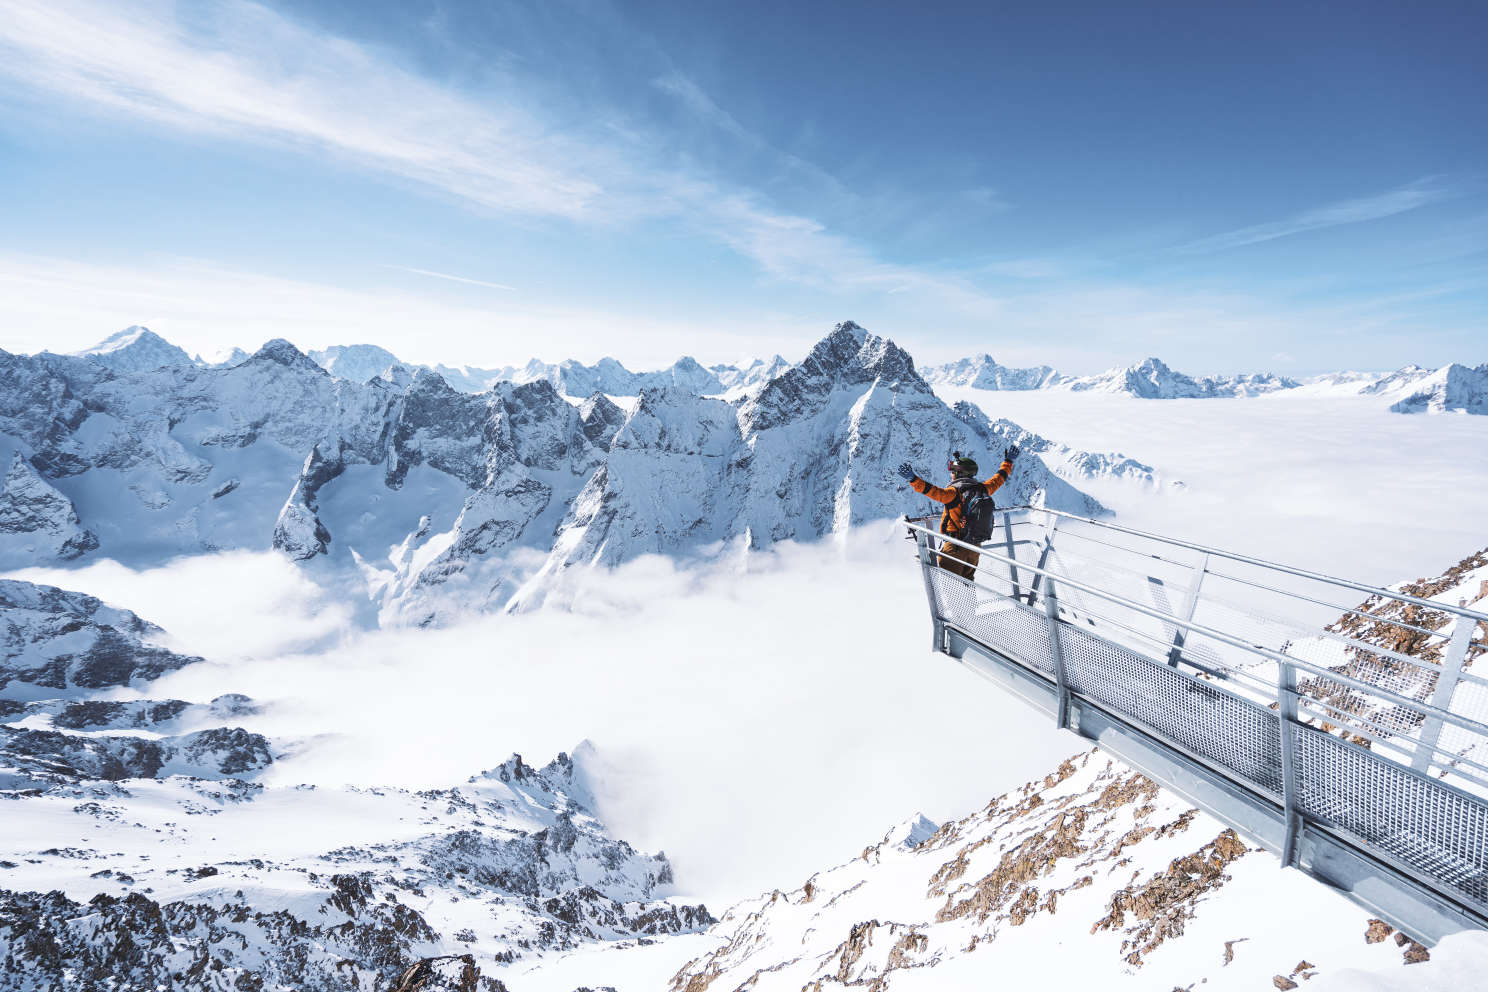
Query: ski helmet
[961, 465]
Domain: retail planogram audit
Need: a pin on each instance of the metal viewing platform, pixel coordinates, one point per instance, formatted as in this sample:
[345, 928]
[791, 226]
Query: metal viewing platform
[1339, 725]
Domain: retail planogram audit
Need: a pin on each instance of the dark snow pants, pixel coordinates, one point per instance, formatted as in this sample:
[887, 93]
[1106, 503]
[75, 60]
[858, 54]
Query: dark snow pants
[958, 560]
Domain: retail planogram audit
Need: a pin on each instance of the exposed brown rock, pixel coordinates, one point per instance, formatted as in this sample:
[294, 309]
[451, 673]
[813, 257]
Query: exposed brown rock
[1415, 954]
[1378, 931]
[1028, 861]
[1065, 770]
[1229, 954]
[1284, 983]
[1167, 900]
[1023, 907]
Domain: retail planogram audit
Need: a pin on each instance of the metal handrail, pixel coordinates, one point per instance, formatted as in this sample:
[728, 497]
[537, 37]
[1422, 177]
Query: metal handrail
[1262, 563]
[1446, 716]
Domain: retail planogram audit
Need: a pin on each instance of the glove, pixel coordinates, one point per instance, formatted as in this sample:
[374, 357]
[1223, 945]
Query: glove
[1010, 453]
[907, 472]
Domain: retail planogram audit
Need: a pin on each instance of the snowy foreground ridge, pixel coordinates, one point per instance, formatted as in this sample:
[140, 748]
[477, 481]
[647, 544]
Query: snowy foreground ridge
[140, 852]
[439, 501]
[1093, 877]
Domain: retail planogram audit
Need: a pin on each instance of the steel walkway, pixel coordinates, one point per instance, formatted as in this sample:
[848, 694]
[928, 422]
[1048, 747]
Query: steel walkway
[1339, 725]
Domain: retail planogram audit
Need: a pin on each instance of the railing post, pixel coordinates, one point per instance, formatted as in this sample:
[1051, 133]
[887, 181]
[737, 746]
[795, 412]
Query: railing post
[1007, 532]
[1286, 713]
[1441, 696]
[1190, 606]
[1043, 561]
[927, 562]
[1056, 650]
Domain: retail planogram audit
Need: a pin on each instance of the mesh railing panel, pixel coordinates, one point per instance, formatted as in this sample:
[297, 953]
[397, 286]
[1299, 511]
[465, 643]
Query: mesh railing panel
[1204, 720]
[1436, 830]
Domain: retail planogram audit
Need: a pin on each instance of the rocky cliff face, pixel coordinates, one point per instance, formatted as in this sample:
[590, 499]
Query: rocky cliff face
[61, 651]
[65, 644]
[37, 523]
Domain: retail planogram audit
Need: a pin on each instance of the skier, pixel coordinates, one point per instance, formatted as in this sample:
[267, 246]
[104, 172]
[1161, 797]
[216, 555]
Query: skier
[968, 507]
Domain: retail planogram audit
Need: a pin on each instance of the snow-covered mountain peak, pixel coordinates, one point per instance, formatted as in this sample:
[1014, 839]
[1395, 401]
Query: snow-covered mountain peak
[911, 833]
[356, 362]
[983, 372]
[135, 349]
[852, 355]
[602, 418]
[282, 352]
[677, 421]
[847, 357]
[851, 328]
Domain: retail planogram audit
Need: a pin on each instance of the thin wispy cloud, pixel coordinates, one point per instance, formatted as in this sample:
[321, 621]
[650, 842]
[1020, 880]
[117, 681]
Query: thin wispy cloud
[247, 73]
[1388, 204]
[452, 278]
[244, 71]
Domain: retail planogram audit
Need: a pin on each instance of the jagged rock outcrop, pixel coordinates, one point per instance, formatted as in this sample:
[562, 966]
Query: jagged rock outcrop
[41, 757]
[57, 642]
[38, 523]
[298, 532]
[437, 889]
[602, 420]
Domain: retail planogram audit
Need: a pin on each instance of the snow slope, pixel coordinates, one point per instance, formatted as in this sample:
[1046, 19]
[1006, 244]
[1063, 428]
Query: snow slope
[1155, 894]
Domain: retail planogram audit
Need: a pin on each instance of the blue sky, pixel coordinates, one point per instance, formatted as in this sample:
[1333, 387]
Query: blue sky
[1231, 187]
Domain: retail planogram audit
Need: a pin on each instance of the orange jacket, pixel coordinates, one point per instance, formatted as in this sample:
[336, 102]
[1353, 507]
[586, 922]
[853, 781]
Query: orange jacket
[953, 520]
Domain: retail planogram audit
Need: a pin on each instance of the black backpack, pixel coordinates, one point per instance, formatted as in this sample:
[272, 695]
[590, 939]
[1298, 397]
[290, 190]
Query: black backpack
[979, 509]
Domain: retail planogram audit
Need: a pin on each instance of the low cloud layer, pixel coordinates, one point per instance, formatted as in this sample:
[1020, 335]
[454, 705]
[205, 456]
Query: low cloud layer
[758, 719]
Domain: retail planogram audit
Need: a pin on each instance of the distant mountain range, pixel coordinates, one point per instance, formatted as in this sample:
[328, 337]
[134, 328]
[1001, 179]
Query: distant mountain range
[1412, 389]
[443, 501]
[1453, 388]
[139, 349]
